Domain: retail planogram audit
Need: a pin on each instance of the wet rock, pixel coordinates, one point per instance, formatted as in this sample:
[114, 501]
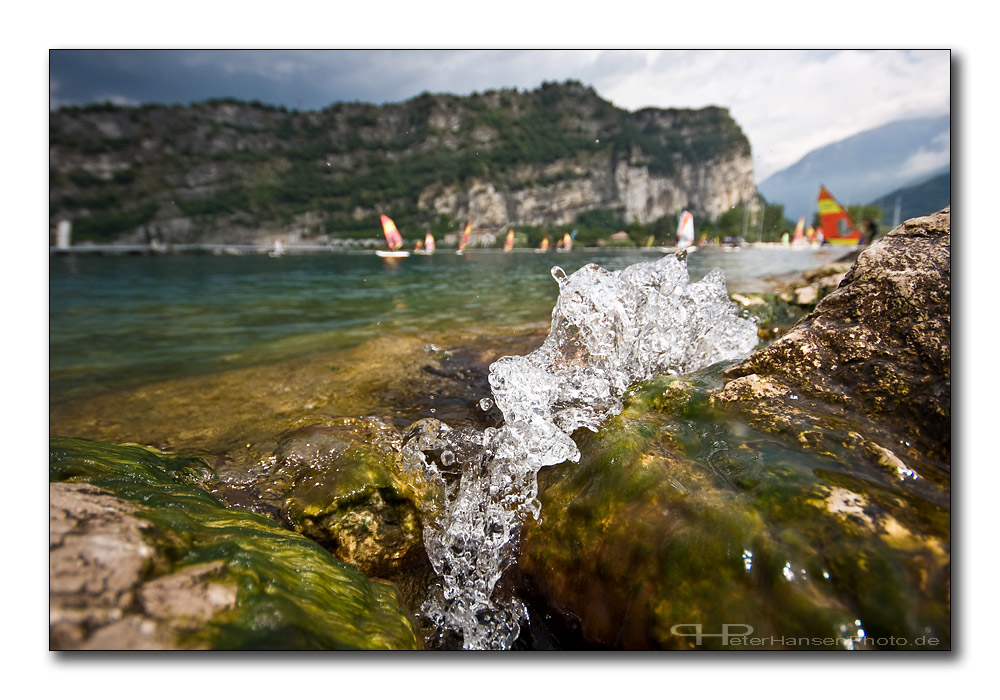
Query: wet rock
[143, 557]
[877, 351]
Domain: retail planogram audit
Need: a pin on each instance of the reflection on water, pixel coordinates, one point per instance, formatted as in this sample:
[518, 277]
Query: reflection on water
[123, 321]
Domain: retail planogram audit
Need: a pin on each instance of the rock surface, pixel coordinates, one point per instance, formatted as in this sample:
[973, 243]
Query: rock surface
[880, 344]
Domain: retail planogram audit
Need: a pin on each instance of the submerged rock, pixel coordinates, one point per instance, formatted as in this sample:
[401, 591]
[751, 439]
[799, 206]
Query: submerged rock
[144, 557]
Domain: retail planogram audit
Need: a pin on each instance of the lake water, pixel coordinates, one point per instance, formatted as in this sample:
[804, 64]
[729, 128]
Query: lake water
[117, 322]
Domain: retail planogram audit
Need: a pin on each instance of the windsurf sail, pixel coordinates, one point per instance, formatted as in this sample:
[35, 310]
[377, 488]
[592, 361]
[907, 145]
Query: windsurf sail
[800, 227]
[685, 230]
[417, 246]
[465, 236]
[567, 242]
[649, 241]
[835, 222]
[429, 243]
[545, 244]
[392, 236]
[508, 244]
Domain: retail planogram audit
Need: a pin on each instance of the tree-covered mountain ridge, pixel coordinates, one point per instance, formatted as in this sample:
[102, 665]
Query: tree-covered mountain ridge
[230, 171]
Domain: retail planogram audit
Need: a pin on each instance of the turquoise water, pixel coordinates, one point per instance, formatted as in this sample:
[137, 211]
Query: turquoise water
[123, 321]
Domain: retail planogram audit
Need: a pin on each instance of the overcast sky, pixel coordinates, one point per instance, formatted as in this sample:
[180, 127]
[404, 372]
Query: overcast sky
[788, 102]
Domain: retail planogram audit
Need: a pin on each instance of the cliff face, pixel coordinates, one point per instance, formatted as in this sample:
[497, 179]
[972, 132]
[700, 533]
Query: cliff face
[237, 172]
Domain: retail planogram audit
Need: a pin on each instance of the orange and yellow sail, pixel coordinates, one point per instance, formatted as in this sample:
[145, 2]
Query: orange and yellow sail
[835, 222]
[392, 237]
[567, 242]
[508, 244]
[465, 236]
[545, 243]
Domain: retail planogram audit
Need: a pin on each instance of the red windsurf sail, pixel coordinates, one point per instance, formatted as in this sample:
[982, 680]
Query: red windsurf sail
[837, 225]
[392, 237]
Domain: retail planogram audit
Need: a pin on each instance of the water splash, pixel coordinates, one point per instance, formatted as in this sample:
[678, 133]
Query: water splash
[609, 330]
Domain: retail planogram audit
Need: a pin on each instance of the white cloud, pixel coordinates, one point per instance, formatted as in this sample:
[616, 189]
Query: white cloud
[791, 102]
[925, 162]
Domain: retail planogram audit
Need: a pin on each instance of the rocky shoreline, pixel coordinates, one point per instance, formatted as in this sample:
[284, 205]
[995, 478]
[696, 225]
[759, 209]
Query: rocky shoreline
[803, 492]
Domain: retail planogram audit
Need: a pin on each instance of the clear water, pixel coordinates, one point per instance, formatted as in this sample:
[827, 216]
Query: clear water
[117, 322]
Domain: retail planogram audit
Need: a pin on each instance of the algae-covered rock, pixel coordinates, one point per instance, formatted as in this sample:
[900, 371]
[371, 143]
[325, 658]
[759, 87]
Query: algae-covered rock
[679, 515]
[343, 483]
[191, 573]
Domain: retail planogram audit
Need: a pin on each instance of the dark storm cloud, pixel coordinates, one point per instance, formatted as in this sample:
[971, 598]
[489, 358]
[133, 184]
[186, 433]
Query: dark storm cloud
[300, 79]
[314, 79]
[171, 77]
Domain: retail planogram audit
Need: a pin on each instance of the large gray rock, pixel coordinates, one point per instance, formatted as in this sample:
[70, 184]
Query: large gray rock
[878, 349]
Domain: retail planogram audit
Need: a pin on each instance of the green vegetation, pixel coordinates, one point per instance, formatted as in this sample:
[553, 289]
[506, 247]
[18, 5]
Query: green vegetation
[101, 227]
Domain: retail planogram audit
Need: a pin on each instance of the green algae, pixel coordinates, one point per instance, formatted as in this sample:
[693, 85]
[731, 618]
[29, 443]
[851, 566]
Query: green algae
[679, 513]
[291, 593]
[343, 483]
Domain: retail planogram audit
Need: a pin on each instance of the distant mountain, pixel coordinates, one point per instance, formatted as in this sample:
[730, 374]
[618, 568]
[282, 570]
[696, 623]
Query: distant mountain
[236, 172]
[920, 199]
[864, 166]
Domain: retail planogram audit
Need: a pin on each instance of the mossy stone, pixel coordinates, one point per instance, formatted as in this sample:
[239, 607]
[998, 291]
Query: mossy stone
[291, 593]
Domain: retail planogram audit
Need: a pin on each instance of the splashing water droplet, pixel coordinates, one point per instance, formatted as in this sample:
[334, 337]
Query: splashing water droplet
[486, 404]
[609, 331]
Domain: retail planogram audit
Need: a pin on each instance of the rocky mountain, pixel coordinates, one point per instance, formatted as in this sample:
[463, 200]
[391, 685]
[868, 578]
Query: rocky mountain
[865, 166]
[230, 171]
